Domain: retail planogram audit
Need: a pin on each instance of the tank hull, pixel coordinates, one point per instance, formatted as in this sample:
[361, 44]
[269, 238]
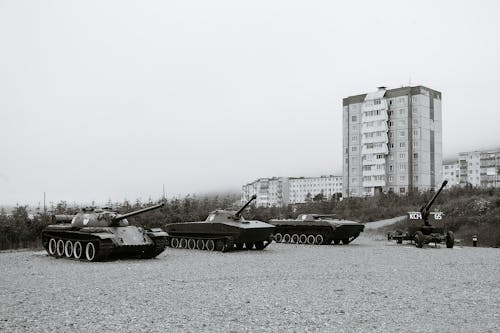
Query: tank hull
[319, 232]
[102, 243]
[220, 236]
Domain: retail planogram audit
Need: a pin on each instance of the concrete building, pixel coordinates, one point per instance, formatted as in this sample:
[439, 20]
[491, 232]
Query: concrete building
[480, 168]
[281, 191]
[392, 141]
[451, 172]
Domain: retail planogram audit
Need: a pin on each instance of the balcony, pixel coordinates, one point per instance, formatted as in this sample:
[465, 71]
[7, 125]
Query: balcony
[375, 161]
[376, 139]
[376, 172]
[382, 127]
[375, 150]
[374, 183]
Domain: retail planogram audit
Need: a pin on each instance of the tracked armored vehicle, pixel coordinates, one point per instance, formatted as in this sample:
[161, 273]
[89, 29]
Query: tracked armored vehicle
[100, 234]
[421, 231]
[223, 230]
[316, 229]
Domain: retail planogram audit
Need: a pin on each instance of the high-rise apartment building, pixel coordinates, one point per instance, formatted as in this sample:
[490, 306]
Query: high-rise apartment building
[392, 141]
[280, 191]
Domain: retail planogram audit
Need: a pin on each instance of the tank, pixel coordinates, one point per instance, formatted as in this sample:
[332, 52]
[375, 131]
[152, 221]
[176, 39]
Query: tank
[223, 230]
[99, 234]
[316, 229]
[421, 231]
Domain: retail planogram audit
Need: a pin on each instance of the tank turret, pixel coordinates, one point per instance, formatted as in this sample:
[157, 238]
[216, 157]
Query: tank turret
[92, 217]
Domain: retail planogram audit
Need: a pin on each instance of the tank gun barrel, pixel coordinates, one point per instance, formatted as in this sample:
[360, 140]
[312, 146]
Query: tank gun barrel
[137, 212]
[425, 209]
[238, 213]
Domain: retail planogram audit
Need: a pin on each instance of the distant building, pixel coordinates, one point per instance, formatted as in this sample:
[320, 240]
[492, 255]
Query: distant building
[281, 191]
[480, 168]
[392, 141]
[451, 172]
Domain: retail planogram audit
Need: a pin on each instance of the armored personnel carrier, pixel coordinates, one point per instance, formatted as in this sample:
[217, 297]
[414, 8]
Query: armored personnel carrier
[223, 230]
[99, 234]
[316, 229]
[421, 231]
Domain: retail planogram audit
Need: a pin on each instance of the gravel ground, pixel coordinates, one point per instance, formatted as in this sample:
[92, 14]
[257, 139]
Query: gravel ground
[367, 286]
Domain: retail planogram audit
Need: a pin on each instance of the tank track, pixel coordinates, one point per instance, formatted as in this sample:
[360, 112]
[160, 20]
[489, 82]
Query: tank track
[311, 238]
[160, 243]
[223, 244]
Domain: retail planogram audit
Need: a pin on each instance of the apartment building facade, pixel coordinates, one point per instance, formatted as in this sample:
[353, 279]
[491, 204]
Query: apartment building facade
[451, 172]
[480, 168]
[281, 191]
[392, 141]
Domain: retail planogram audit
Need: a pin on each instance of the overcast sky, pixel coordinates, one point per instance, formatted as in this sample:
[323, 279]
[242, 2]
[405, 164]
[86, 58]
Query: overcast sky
[112, 99]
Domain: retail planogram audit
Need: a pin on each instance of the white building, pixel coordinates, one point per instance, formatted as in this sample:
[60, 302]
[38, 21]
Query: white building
[392, 141]
[480, 168]
[451, 173]
[280, 191]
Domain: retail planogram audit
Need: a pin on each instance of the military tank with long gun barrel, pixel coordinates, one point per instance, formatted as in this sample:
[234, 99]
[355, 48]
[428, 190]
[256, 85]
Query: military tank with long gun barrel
[424, 232]
[223, 230]
[98, 234]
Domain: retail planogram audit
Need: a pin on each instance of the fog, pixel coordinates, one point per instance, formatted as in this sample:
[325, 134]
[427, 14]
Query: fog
[114, 99]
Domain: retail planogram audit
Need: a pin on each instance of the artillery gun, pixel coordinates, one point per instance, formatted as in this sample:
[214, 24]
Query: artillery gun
[223, 230]
[316, 229]
[98, 234]
[423, 232]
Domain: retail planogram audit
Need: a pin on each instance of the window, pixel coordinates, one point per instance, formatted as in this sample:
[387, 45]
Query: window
[391, 167]
[402, 166]
[415, 156]
[354, 118]
[380, 156]
[402, 144]
[401, 112]
[354, 138]
[391, 179]
[376, 101]
[415, 179]
[402, 190]
[402, 156]
[353, 149]
[402, 178]
[402, 134]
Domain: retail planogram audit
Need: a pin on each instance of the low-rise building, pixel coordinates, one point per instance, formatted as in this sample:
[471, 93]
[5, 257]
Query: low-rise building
[281, 191]
[451, 172]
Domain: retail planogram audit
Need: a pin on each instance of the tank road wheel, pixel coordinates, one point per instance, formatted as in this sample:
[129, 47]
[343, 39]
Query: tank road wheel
[219, 245]
[249, 246]
[419, 239]
[278, 238]
[174, 243]
[239, 246]
[310, 239]
[345, 241]
[209, 245]
[295, 239]
[450, 239]
[319, 239]
[77, 250]
[336, 241]
[259, 245]
[286, 238]
[182, 243]
[52, 247]
[302, 239]
[90, 251]
[200, 244]
[60, 248]
[191, 244]
[68, 249]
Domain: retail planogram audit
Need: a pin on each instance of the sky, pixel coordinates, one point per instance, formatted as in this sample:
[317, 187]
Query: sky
[114, 99]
